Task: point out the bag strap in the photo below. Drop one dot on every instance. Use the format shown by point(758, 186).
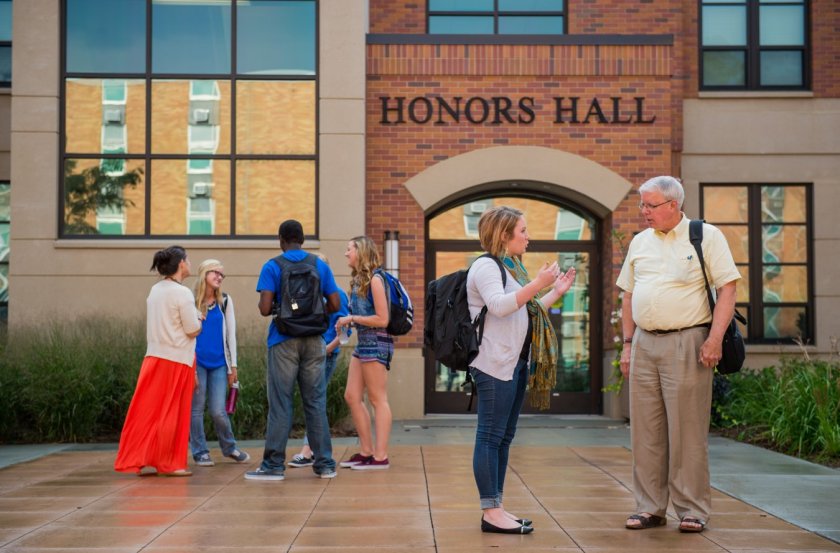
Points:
point(480, 317)
point(224, 303)
point(695, 235)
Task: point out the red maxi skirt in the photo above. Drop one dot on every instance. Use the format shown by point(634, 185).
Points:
point(156, 432)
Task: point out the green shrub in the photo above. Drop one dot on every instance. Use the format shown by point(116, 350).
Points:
point(73, 382)
point(795, 407)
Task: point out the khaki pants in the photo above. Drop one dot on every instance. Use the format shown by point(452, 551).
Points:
point(670, 403)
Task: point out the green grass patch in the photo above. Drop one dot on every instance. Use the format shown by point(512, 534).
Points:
point(793, 408)
point(73, 382)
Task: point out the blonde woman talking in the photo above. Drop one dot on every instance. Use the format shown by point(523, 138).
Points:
point(368, 370)
point(519, 349)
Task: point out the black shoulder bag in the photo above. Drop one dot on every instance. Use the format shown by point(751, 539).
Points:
point(733, 352)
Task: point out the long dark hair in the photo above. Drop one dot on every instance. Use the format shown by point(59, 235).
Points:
point(166, 261)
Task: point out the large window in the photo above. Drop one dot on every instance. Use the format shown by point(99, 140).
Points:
point(5, 43)
point(754, 44)
point(768, 227)
point(196, 119)
point(501, 17)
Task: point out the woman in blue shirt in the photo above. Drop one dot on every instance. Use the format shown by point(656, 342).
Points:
point(215, 353)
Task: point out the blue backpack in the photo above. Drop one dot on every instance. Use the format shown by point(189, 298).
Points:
point(400, 309)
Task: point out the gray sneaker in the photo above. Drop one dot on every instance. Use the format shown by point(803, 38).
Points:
point(238, 456)
point(265, 474)
point(328, 473)
point(204, 460)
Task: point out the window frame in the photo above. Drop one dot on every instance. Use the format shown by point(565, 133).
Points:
point(496, 13)
point(752, 50)
point(754, 224)
point(148, 77)
point(8, 44)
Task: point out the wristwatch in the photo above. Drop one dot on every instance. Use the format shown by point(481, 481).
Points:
point(628, 340)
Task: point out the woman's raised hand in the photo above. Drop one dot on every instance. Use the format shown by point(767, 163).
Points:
point(564, 281)
point(548, 274)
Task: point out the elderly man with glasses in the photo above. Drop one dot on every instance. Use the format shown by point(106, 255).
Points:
point(672, 344)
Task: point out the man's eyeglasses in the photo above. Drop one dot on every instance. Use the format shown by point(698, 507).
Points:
point(220, 274)
point(643, 206)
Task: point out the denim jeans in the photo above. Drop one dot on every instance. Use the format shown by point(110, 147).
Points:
point(329, 369)
point(499, 403)
point(298, 360)
point(212, 385)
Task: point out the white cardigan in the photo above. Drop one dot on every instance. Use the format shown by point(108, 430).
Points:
point(505, 325)
point(229, 334)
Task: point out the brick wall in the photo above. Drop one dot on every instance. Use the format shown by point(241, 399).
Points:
point(397, 152)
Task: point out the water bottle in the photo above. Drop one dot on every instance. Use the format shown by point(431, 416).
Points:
point(343, 335)
point(233, 393)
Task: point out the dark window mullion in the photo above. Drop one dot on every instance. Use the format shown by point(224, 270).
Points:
point(753, 45)
point(756, 284)
point(147, 215)
point(233, 121)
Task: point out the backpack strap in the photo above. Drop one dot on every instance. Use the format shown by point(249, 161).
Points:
point(283, 262)
point(223, 307)
point(695, 236)
point(480, 317)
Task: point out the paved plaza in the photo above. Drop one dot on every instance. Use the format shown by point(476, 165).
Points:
point(571, 476)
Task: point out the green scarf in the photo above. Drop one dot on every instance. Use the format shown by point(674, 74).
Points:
point(543, 369)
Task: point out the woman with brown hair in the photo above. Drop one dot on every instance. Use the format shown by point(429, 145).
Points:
point(157, 427)
point(518, 350)
point(371, 360)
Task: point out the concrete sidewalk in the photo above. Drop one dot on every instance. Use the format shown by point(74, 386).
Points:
point(570, 475)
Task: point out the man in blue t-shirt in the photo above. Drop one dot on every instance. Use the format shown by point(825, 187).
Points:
point(293, 359)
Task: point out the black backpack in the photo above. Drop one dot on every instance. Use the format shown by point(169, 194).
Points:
point(300, 310)
point(400, 309)
point(450, 334)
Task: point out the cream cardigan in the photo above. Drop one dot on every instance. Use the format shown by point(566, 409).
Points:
point(170, 315)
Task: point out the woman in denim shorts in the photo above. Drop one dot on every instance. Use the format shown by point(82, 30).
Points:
point(371, 359)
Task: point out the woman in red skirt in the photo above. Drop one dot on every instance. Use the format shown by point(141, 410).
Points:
point(157, 427)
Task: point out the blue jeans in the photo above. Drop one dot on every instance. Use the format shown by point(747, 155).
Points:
point(329, 369)
point(301, 360)
point(499, 403)
point(212, 385)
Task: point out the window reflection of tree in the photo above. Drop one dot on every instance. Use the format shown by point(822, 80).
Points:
point(91, 190)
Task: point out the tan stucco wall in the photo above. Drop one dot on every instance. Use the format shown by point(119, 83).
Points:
point(774, 140)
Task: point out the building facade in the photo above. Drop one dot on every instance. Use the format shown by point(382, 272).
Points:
point(208, 122)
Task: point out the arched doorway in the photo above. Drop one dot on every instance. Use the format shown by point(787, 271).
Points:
point(559, 230)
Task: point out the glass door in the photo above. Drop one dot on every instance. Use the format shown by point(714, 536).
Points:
point(557, 234)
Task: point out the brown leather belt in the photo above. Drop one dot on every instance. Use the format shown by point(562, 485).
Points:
point(672, 330)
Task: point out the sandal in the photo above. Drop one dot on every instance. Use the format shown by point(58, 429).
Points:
point(697, 525)
point(645, 521)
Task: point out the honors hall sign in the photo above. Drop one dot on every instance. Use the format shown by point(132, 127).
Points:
point(502, 110)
